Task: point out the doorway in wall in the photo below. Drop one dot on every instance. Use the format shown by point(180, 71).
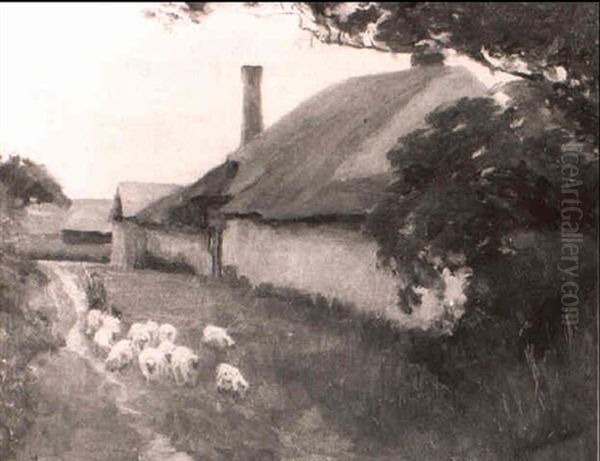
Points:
point(215, 244)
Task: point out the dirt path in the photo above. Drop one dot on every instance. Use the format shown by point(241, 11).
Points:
point(294, 411)
point(76, 370)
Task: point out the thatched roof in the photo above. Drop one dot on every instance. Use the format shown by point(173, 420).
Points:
point(211, 186)
point(89, 216)
point(133, 197)
point(328, 156)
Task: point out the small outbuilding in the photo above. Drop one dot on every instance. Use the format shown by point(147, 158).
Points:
point(88, 221)
point(129, 238)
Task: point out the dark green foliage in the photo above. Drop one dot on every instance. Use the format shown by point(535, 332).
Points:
point(467, 185)
point(26, 182)
point(481, 186)
point(542, 35)
point(24, 332)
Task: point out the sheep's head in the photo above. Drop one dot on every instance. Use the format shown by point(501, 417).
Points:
point(224, 383)
point(141, 340)
point(151, 365)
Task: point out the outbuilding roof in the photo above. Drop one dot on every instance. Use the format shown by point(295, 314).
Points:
point(173, 208)
point(89, 216)
point(133, 197)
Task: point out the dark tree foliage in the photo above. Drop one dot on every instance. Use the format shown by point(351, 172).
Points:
point(25, 332)
point(22, 182)
point(481, 186)
point(484, 187)
point(25, 182)
point(543, 35)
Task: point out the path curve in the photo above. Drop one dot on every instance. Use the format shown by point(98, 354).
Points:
point(66, 280)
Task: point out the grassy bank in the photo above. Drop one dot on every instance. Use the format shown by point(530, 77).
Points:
point(26, 329)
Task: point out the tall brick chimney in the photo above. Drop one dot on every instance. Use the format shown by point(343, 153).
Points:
point(252, 123)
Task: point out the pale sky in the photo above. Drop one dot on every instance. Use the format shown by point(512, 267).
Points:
point(100, 94)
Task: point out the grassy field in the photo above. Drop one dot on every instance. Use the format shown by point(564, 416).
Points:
point(320, 388)
point(26, 330)
point(325, 385)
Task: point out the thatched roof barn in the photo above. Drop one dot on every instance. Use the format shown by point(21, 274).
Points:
point(296, 194)
point(88, 221)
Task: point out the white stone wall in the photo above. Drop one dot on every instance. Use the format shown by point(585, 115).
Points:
point(330, 260)
point(128, 245)
point(178, 247)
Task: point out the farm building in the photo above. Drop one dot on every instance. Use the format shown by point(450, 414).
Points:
point(130, 239)
point(183, 228)
point(296, 195)
point(88, 221)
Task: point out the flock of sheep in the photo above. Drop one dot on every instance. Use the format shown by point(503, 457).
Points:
point(158, 357)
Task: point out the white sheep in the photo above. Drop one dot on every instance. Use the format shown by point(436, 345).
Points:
point(93, 321)
point(104, 340)
point(231, 380)
point(134, 328)
point(184, 366)
point(111, 323)
point(154, 364)
point(167, 332)
point(120, 355)
point(152, 328)
point(217, 337)
point(140, 340)
point(143, 334)
point(166, 346)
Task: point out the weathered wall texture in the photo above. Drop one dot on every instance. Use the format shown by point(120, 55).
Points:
point(332, 261)
point(337, 263)
point(180, 248)
point(129, 245)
